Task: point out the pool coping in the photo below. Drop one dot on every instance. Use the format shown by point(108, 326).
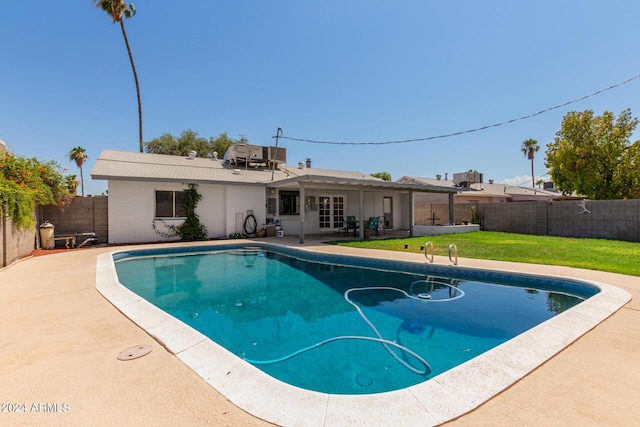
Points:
point(437, 400)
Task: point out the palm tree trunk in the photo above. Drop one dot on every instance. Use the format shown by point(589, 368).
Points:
point(82, 181)
point(135, 77)
point(533, 179)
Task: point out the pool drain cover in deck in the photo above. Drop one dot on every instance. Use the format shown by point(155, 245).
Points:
point(134, 352)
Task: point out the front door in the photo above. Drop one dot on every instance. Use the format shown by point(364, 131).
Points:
point(331, 212)
point(388, 213)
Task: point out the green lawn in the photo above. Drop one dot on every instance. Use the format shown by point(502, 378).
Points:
point(595, 254)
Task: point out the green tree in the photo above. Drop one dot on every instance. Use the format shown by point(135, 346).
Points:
point(72, 183)
point(529, 148)
point(164, 144)
point(540, 182)
point(117, 10)
point(189, 140)
point(79, 155)
point(385, 176)
point(222, 142)
point(593, 156)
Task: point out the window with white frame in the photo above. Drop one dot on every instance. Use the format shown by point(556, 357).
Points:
point(289, 203)
point(170, 204)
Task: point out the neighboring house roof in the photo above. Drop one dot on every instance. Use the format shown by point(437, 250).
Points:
point(129, 166)
point(486, 190)
point(514, 192)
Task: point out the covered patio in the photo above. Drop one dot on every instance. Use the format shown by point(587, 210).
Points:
point(394, 201)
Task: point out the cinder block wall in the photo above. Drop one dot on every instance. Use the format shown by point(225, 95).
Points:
point(520, 217)
point(609, 219)
point(83, 215)
point(14, 243)
point(424, 213)
point(424, 210)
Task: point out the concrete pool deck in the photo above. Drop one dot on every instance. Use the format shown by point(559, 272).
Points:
point(60, 341)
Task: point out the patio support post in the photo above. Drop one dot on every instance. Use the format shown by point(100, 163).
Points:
point(452, 217)
point(302, 209)
point(361, 214)
point(411, 214)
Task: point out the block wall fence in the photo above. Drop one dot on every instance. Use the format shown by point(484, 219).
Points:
point(83, 215)
point(606, 219)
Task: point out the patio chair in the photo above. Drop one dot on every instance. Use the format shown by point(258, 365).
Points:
point(373, 223)
point(351, 224)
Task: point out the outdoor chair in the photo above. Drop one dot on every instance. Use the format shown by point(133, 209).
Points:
point(351, 224)
point(372, 224)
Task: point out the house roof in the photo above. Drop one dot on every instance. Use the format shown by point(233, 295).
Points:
point(129, 166)
point(328, 173)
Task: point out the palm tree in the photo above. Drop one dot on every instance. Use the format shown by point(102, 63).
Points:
point(117, 9)
point(540, 182)
point(78, 155)
point(72, 183)
point(529, 147)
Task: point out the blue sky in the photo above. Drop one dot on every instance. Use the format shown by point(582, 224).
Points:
point(345, 71)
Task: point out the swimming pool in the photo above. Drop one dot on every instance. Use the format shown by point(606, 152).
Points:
point(430, 402)
point(335, 328)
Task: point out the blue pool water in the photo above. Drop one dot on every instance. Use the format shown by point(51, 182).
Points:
point(405, 323)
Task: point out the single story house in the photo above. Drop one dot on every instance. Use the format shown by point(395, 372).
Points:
point(145, 194)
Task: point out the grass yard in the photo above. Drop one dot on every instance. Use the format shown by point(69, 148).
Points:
point(594, 254)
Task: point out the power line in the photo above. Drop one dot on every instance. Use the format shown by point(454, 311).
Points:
point(555, 107)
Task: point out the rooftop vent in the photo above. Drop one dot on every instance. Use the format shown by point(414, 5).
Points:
point(300, 165)
point(192, 155)
point(438, 177)
point(308, 162)
point(236, 171)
